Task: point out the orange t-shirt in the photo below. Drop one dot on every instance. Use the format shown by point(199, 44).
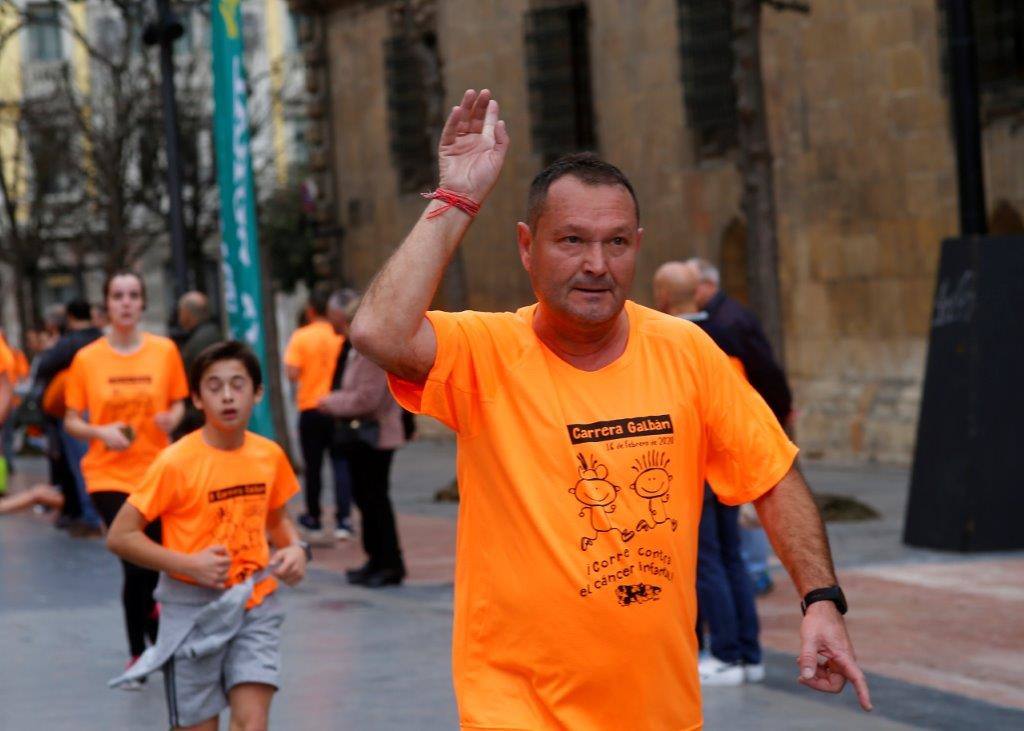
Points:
point(314, 350)
point(112, 387)
point(580, 497)
point(21, 366)
point(7, 364)
point(207, 497)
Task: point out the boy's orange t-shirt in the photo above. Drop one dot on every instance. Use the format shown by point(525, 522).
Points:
point(133, 388)
point(580, 497)
point(207, 497)
point(314, 350)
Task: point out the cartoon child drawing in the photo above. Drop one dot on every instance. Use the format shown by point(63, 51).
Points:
point(652, 482)
point(597, 494)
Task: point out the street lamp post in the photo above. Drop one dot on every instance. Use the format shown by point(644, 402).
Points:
point(164, 32)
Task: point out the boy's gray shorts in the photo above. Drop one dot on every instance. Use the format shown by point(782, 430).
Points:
point(202, 671)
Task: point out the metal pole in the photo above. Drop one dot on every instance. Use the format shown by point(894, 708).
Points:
point(963, 66)
point(174, 176)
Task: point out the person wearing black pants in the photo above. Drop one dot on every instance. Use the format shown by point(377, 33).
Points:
point(367, 429)
point(371, 483)
point(140, 615)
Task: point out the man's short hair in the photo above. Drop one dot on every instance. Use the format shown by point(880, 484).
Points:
point(708, 271)
point(79, 309)
point(226, 350)
point(318, 298)
point(586, 167)
point(340, 298)
point(196, 303)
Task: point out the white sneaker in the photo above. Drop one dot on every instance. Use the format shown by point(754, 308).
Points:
point(715, 672)
point(342, 534)
point(753, 673)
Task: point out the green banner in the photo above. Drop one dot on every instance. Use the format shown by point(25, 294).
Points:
point(239, 246)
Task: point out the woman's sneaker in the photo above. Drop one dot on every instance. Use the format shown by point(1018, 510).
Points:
point(715, 672)
point(343, 531)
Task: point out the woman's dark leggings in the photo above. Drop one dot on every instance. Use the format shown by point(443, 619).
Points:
point(140, 616)
point(371, 482)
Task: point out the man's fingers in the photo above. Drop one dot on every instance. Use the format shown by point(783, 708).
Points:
point(501, 139)
point(451, 127)
point(218, 550)
point(480, 105)
point(490, 119)
point(847, 666)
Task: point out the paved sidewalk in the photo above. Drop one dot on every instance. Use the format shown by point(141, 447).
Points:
point(361, 659)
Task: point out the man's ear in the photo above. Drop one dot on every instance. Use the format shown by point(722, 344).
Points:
point(639, 236)
point(525, 239)
point(257, 395)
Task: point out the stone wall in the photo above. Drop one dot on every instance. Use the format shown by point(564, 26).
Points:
point(865, 180)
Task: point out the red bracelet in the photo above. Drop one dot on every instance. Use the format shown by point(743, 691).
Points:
point(451, 199)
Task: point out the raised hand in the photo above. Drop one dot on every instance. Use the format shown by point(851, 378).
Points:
point(473, 146)
point(826, 654)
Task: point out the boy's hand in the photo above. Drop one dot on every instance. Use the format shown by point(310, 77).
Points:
point(113, 436)
point(289, 564)
point(210, 567)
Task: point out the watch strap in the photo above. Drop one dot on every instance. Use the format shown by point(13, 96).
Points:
point(827, 594)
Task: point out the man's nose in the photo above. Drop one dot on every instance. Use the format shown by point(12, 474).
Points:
point(594, 260)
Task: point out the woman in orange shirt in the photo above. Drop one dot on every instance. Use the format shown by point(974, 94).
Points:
point(124, 396)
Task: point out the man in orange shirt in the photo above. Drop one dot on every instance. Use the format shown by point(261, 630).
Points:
point(311, 360)
point(586, 426)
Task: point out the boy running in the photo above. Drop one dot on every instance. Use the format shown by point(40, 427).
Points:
point(219, 492)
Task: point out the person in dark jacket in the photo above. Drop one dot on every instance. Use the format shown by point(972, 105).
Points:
point(725, 594)
point(79, 332)
point(200, 331)
point(763, 372)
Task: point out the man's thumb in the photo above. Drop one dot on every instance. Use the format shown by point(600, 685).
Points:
point(808, 662)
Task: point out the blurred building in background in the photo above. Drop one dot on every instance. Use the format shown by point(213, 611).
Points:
point(82, 144)
point(860, 128)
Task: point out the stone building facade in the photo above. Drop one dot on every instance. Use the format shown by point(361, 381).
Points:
point(864, 168)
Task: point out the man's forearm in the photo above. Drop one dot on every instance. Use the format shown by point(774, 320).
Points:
point(794, 526)
point(393, 308)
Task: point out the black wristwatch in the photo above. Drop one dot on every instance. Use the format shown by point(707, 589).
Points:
point(829, 594)
point(306, 549)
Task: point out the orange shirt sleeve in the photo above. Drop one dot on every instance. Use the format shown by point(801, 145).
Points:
point(75, 396)
point(748, 452)
point(159, 490)
point(286, 484)
point(178, 384)
point(293, 351)
point(463, 374)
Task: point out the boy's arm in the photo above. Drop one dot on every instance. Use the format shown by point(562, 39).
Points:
point(289, 559)
point(127, 539)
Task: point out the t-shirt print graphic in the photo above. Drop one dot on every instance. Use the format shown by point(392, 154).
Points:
point(597, 494)
point(645, 502)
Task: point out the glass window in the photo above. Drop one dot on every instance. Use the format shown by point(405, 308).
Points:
point(44, 41)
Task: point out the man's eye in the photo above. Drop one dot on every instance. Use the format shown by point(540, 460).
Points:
point(571, 239)
point(619, 241)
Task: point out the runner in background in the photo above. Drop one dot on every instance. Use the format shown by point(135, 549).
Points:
point(7, 368)
point(131, 384)
point(310, 360)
